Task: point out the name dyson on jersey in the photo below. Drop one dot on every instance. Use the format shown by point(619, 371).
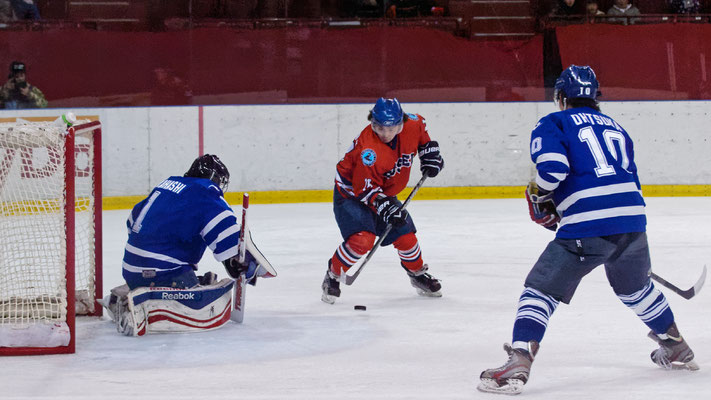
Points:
point(405, 160)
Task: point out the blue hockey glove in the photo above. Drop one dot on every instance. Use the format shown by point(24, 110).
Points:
point(388, 210)
point(431, 161)
point(541, 207)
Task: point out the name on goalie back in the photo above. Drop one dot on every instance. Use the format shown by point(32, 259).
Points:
point(173, 186)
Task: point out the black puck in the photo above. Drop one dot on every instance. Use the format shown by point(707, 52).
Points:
point(362, 308)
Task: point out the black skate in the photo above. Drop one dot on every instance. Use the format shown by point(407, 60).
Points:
point(331, 286)
point(510, 377)
point(673, 351)
point(426, 284)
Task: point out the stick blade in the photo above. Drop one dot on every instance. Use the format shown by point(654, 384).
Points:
point(694, 290)
point(700, 283)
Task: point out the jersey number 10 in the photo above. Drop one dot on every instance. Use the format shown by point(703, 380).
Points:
point(611, 137)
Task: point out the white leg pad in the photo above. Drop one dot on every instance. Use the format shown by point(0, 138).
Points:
point(167, 310)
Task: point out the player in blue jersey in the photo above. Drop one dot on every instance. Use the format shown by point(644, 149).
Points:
point(586, 188)
point(168, 233)
point(169, 230)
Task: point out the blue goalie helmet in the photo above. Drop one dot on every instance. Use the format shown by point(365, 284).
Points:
point(576, 82)
point(387, 112)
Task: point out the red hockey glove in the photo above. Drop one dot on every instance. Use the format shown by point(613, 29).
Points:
point(541, 207)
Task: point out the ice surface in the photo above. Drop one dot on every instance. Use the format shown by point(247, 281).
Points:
point(293, 346)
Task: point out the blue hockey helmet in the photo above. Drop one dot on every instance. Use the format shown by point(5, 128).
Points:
point(387, 112)
point(210, 167)
point(576, 82)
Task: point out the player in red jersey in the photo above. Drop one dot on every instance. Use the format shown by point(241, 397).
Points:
point(374, 170)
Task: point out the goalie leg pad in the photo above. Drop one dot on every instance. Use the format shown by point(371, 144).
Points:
point(111, 302)
point(167, 310)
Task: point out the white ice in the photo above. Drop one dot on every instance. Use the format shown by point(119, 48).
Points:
point(293, 346)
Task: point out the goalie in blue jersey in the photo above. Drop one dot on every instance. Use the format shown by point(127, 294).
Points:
point(586, 188)
point(168, 232)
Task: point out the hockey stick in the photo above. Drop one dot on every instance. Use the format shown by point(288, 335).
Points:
point(238, 299)
point(243, 228)
point(351, 278)
point(687, 294)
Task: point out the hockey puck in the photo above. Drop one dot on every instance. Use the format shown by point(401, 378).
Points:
point(362, 308)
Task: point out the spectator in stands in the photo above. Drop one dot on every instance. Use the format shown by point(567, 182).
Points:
point(17, 93)
point(408, 8)
point(565, 8)
point(685, 6)
point(169, 89)
point(623, 8)
point(5, 11)
point(593, 9)
point(25, 9)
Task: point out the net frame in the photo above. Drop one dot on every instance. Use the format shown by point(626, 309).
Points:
point(93, 129)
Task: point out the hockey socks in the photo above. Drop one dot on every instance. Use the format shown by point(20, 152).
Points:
point(409, 251)
point(350, 251)
point(534, 310)
point(651, 307)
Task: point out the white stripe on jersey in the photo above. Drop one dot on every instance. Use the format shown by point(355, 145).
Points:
point(213, 222)
point(601, 214)
point(133, 268)
point(544, 184)
point(229, 253)
point(616, 188)
point(155, 256)
point(561, 158)
point(347, 188)
point(227, 232)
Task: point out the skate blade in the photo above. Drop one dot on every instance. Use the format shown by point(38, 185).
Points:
point(326, 298)
point(512, 386)
point(689, 366)
point(425, 293)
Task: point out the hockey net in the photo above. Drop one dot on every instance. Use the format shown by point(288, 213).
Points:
point(50, 234)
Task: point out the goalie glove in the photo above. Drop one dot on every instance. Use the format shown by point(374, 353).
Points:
point(541, 207)
point(431, 161)
point(235, 268)
point(388, 210)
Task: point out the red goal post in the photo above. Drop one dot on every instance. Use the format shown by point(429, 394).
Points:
point(50, 234)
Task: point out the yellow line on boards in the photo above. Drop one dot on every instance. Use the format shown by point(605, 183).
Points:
point(426, 193)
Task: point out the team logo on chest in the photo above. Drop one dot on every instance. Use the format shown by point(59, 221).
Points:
point(368, 157)
point(405, 161)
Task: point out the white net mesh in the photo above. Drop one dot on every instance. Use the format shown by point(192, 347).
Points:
point(32, 223)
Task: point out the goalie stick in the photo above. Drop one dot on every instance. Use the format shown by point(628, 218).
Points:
point(687, 294)
point(351, 278)
point(264, 268)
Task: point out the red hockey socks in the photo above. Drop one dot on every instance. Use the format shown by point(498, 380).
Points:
point(350, 251)
point(409, 251)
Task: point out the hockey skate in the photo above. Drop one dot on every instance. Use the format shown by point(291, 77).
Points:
point(426, 284)
point(111, 302)
point(510, 378)
point(673, 351)
point(331, 286)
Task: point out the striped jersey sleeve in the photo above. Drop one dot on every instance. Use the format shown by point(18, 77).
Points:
point(549, 153)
